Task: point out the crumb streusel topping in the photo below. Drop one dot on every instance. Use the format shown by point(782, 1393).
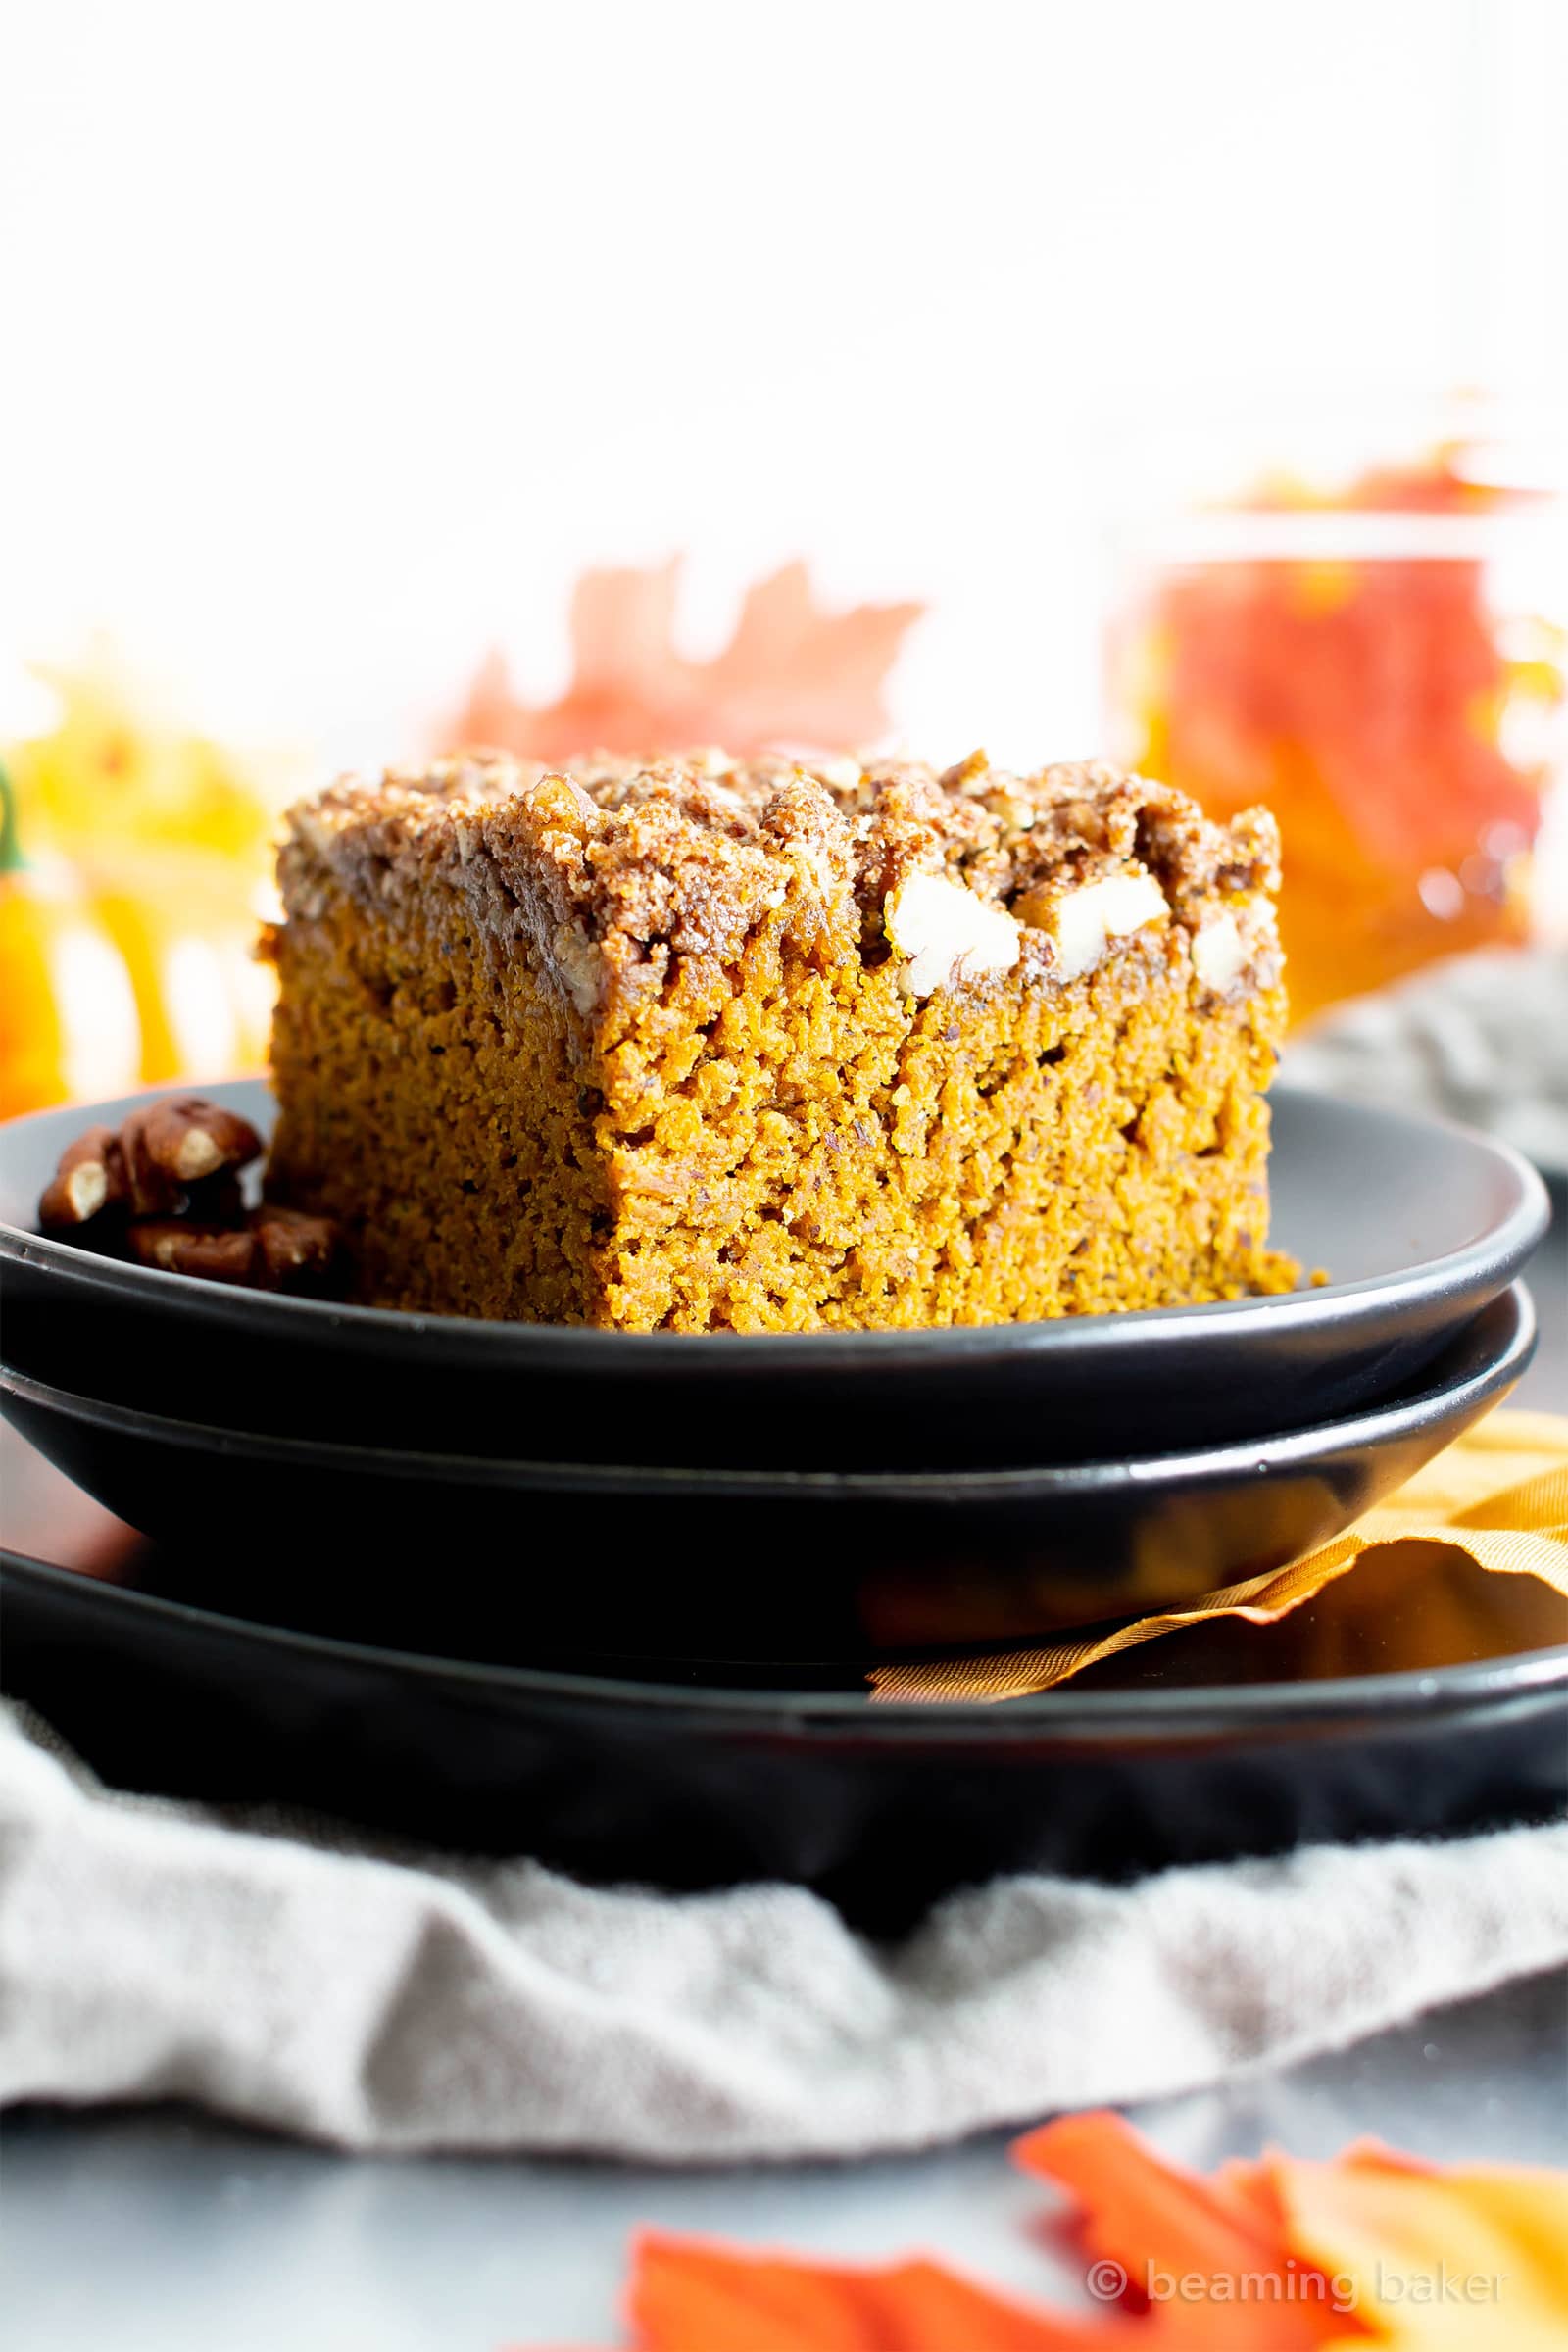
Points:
point(962, 874)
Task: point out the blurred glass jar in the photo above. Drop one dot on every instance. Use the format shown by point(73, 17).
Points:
point(1386, 667)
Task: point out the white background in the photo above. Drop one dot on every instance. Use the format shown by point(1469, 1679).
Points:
point(338, 336)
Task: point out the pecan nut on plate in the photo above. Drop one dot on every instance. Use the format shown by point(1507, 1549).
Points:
point(163, 1189)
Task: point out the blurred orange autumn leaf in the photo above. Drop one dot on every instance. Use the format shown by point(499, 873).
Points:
point(1162, 2225)
point(688, 2297)
point(1372, 2249)
point(791, 674)
point(131, 852)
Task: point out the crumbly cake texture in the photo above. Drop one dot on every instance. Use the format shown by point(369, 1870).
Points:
point(697, 1045)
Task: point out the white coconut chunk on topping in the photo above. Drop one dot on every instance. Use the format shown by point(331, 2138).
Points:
point(1084, 921)
point(580, 967)
point(1219, 952)
point(945, 934)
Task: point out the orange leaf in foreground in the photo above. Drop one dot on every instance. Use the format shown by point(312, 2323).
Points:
point(1277, 2256)
point(690, 2297)
point(1212, 2255)
point(791, 674)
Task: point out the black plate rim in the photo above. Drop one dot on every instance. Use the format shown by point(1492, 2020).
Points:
point(1374, 1425)
point(1527, 1677)
point(1491, 1258)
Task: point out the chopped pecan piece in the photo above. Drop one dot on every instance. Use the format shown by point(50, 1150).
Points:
point(298, 1252)
point(182, 1142)
point(273, 1250)
point(217, 1253)
point(91, 1177)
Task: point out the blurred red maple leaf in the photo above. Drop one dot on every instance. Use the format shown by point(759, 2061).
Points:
point(791, 674)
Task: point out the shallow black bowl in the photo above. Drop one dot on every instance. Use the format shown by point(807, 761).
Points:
point(747, 1563)
point(1418, 1695)
point(1420, 1224)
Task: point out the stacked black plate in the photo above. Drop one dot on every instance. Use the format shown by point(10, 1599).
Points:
point(405, 1566)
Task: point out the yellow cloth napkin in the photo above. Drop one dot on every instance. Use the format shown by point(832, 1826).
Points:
point(1499, 1495)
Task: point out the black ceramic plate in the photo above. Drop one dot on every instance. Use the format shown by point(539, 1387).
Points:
point(1416, 1696)
point(1420, 1223)
point(760, 1563)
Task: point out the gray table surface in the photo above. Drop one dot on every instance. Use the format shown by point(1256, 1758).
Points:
point(161, 2231)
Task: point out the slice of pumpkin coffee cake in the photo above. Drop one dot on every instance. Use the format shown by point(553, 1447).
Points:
point(701, 1046)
